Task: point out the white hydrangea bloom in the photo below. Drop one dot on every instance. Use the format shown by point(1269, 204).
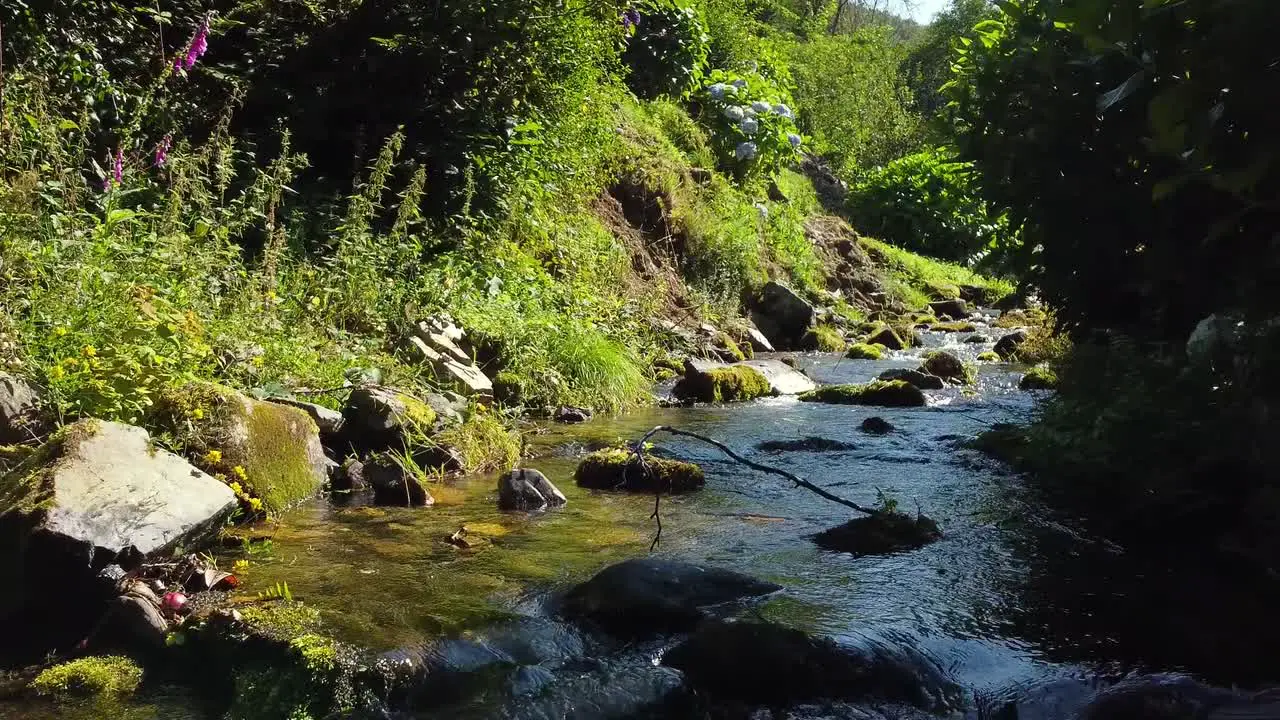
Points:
point(795, 140)
point(734, 113)
point(761, 107)
point(783, 110)
point(750, 126)
point(746, 151)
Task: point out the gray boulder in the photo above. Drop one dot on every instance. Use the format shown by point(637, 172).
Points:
point(327, 420)
point(438, 342)
point(922, 380)
point(1007, 346)
point(783, 316)
point(783, 378)
point(528, 490)
point(21, 415)
point(100, 493)
point(955, 309)
point(393, 484)
point(378, 418)
point(650, 595)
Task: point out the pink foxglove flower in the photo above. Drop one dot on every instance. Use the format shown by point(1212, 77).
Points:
point(162, 150)
point(195, 50)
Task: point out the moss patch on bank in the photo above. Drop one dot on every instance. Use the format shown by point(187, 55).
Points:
point(914, 280)
point(105, 676)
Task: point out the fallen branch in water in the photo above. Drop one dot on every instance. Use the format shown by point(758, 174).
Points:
point(638, 449)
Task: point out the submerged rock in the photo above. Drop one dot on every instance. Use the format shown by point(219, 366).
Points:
point(620, 469)
point(22, 417)
point(880, 534)
point(894, 393)
point(760, 663)
point(1007, 346)
point(393, 484)
point(1178, 697)
point(99, 493)
point(527, 489)
point(571, 415)
point(919, 379)
point(876, 426)
point(783, 316)
point(808, 444)
point(650, 595)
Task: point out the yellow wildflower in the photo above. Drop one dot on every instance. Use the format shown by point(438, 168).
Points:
point(57, 373)
point(59, 332)
point(90, 351)
point(241, 566)
point(239, 472)
point(235, 488)
point(255, 504)
point(213, 457)
point(198, 414)
point(257, 361)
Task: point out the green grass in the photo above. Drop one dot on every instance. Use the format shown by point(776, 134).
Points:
point(915, 280)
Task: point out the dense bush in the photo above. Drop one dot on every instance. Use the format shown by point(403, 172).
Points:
point(667, 50)
point(930, 204)
point(752, 125)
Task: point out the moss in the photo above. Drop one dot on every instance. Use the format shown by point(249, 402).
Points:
point(824, 338)
point(318, 653)
point(883, 335)
point(892, 393)
point(484, 441)
point(989, 356)
point(729, 349)
point(620, 469)
point(661, 374)
point(863, 351)
point(95, 676)
point(507, 388)
point(914, 280)
point(734, 383)
point(273, 444)
point(283, 621)
point(954, 327)
point(1043, 345)
point(24, 489)
point(1039, 378)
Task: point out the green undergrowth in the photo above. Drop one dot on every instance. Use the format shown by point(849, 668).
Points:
point(915, 280)
point(824, 338)
point(110, 676)
point(485, 442)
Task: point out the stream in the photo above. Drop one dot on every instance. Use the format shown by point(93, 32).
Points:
point(1030, 616)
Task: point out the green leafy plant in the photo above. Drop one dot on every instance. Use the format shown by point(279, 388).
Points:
point(751, 122)
point(667, 53)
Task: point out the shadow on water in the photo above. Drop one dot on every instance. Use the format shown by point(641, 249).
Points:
point(1013, 606)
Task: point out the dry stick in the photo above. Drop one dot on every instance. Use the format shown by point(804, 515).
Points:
point(638, 449)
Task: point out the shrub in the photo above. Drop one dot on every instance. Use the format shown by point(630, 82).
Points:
point(751, 121)
point(667, 54)
point(929, 204)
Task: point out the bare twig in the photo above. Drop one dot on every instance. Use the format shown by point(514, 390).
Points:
point(638, 449)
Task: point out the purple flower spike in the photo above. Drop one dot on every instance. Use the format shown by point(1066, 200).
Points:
point(630, 20)
point(162, 150)
point(117, 168)
point(198, 47)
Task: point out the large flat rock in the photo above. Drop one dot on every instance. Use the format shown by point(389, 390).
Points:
point(783, 379)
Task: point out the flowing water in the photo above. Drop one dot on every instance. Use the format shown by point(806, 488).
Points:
point(1016, 607)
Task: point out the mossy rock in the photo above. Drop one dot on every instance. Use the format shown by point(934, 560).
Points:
point(940, 363)
point(892, 393)
point(958, 326)
point(620, 469)
point(863, 351)
point(728, 350)
point(879, 534)
point(732, 383)
point(990, 357)
point(824, 338)
point(507, 388)
point(106, 676)
point(1039, 378)
point(1004, 442)
point(383, 419)
point(273, 451)
point(662, 374)
point(881, 334)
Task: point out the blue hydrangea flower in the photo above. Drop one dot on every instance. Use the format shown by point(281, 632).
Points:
point(783, 110)
point(717, 91)
point(734, 113)
point(740, 84)
point(761, 107)
point(750, 126)
point(794, 139)
point(746, 151)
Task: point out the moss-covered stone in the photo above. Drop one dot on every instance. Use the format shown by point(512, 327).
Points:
point(894, 393)
point(620, 469)
point(940, 363)
point(110, 675)
point(732, 383)
point(271, 451)
point(882, 334)
point(1039, 378)
point(881, 533)
point(824, 338)
point(507, 389)
point(989, 356)
point(863, 351)
point(958, 326)
point(727, 349)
